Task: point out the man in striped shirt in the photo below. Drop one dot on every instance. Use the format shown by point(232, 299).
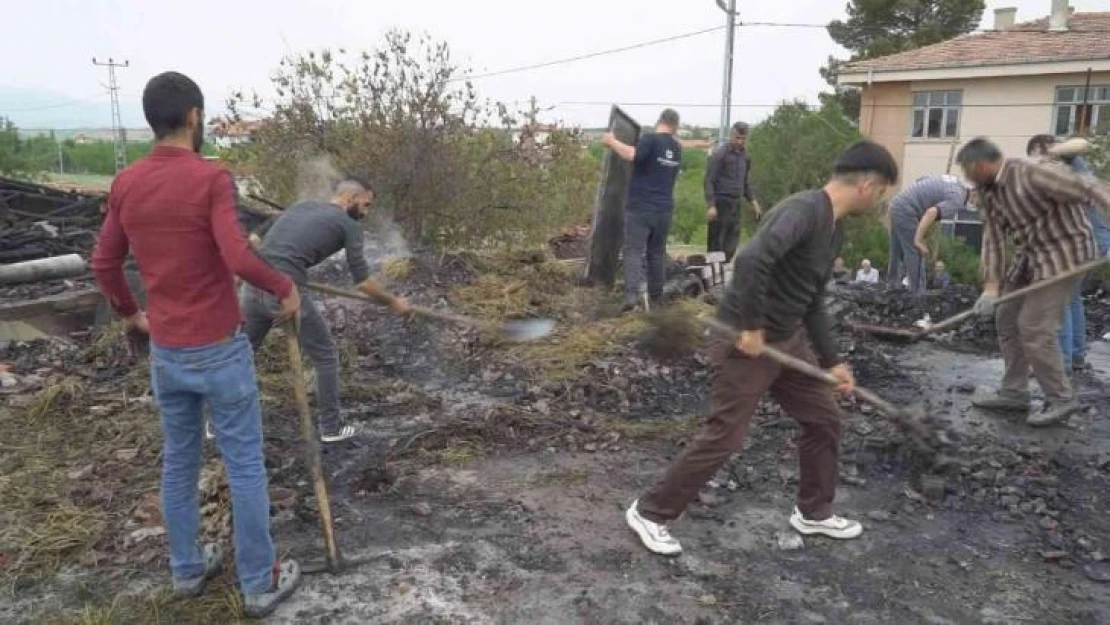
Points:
point(912, 213)
point(1041, 206)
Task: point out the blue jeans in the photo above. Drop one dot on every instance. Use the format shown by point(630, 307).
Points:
point(1073, 331)
point(221, 375)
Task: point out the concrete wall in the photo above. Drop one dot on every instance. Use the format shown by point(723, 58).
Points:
point(885, 115)
point(1009, 126)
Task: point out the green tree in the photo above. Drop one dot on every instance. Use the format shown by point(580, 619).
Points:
point(11, 158)
point(446, 162)
point(877, 28)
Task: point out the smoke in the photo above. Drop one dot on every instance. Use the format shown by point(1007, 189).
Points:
point(316, 178)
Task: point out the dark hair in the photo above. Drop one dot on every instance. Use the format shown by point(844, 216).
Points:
point(740, 128)
point(355, 178)
point(669, 117)
point(867, 157)
point(1041, 142)
point(978, 150)
point(167, 100)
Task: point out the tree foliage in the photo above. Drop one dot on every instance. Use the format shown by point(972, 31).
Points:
point(876, 28)
point(445, 161)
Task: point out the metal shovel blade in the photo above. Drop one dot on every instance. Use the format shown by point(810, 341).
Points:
point(527, 329)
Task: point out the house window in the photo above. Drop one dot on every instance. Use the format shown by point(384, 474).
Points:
point(1080, 110)
point(936, 114)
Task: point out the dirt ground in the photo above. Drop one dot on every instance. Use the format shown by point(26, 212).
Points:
point(491, 480)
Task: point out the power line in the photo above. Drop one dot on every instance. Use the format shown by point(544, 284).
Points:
point(814, 105)
point(55, 106)
point(589, 55)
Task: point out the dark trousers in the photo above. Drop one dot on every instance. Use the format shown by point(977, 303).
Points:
point(738, 383)
point(905, 259)
point(259, 311)
point(724, 231)
point(645, 247)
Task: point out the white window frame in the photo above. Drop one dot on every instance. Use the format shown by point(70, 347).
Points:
point(1067, 99)
point(947, 104)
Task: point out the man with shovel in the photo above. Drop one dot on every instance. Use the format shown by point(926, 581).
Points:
point(777, 295)
point(912, 213)
point(1041, 205)
point(303, 236)
point(176, 212)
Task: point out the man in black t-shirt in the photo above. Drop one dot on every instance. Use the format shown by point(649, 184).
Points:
point(655, 162)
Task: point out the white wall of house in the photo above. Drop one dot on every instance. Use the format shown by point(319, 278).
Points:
point(988, 108)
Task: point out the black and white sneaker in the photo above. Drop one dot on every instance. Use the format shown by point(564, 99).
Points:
point(654, 535)
point(344, 433)
point(833, 527)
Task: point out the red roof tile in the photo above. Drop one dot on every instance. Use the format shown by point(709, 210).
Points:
point(1087, 37)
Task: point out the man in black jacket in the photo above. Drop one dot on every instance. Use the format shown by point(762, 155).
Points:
point(777, 295)
point(727, 179)
point(655, 159)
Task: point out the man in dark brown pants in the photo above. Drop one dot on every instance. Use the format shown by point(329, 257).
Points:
point(777, 295)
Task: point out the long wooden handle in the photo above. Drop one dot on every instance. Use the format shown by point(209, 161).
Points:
point(809, 369)
point(958, 319)
point(418, 310)
point(312, 443)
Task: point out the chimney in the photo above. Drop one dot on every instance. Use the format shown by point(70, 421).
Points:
point(1058, 20)
point(1004, 18)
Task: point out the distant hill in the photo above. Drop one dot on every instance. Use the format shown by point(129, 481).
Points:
point(33, 108)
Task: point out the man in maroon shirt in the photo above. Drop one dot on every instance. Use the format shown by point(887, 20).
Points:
point(176, 213)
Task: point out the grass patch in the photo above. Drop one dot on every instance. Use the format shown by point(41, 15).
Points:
point(460, 453)
point(73, 461)
point(563, 355)
point(566, 477)
point(217, 605)
point(654, 428)
point(396, 269)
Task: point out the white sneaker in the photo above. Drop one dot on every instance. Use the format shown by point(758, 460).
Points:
point(833, 527)
point(208, 435)
point(345, 432)
point(654, 535)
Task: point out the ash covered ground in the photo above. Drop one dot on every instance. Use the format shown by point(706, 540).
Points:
point(490, 482)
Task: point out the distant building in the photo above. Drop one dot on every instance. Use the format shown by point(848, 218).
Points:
point(225, 133)
point(1050, 75)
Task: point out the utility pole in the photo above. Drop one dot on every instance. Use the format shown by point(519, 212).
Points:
point(119, 135)
point(729, 7)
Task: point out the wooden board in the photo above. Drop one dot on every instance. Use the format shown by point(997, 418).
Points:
point(607, 233)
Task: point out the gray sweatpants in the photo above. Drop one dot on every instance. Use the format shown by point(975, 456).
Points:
point(645, 245)
point(905, 260)
point(259, 311)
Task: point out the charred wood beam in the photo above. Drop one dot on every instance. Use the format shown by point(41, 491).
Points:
point(55, 267)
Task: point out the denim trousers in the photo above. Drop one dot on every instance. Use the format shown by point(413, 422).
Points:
point(222, 376)
point(1073, 330)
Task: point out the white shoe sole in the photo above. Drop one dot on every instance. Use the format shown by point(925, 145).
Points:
point(852, 531)
point(635, 523)
point(339, 438)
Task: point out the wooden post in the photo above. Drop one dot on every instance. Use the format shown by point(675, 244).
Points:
point(68, 266)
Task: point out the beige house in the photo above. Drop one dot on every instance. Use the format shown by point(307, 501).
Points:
point(1050, 75)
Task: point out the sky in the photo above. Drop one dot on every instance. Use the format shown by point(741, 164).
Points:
point(49, 79)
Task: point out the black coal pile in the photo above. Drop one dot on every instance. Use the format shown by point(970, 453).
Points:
point(1097, 309)
point(30, 241)
point(877, 306)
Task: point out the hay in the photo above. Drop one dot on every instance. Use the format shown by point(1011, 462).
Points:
point(674, 331)
point(57, 396)
point(220, 604)
point(396, 269)
point(562, 356)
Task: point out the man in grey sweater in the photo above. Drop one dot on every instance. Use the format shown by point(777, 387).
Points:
point(727, 179)
point(912, 213)
point(300, 238)
point(777, 297)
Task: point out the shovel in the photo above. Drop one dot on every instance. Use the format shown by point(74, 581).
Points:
point(333, 560)
point(517, 331)
point(912, 336)
point(911, 418)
